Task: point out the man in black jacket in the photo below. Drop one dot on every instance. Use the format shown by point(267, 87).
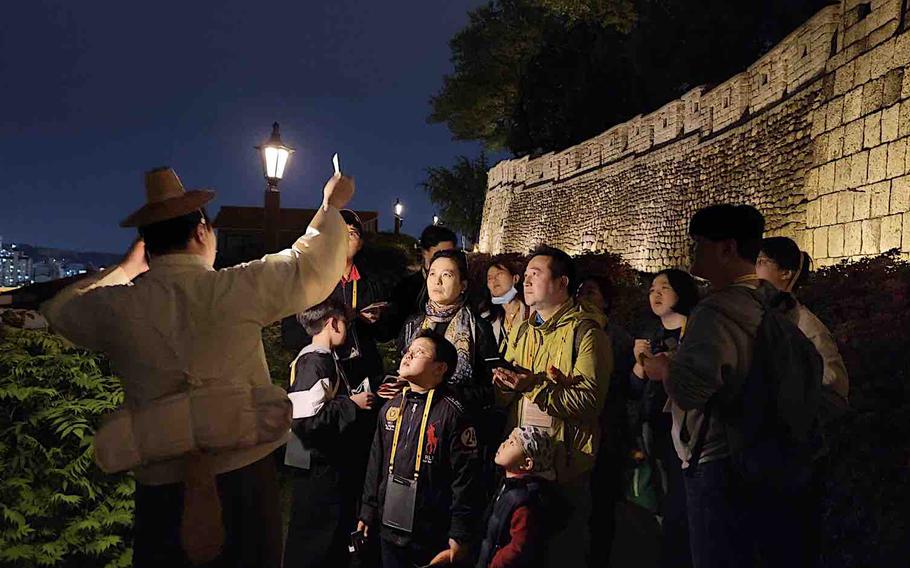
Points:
point(423, 488)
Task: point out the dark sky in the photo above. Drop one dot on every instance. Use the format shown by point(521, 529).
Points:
point(95, 93)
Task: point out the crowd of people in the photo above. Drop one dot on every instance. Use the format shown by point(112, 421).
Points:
point(511, 428)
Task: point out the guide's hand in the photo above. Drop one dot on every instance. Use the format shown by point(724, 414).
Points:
point(363, 528)
point(364, 400)
point(338, 191)
point(134, 262)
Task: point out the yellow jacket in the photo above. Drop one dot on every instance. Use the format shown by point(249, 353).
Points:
point(575, 407)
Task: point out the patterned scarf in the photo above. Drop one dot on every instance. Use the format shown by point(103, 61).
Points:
point(460, 333)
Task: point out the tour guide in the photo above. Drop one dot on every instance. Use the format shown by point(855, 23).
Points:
point(186, 341)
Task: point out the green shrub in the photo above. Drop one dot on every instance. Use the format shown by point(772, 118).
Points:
point(58, 508)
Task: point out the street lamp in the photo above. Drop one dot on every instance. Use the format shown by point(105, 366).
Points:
point(435, 219)
point(274, 160)
point(399, 208)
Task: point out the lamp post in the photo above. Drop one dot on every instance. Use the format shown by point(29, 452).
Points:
point(274, 161)
point(435, 219)
point(399, 208)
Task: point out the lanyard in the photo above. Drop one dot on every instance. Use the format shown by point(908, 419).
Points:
point(423, 429)
point(354, 296)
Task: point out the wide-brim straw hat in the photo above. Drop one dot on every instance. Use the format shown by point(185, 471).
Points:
point(166, 199)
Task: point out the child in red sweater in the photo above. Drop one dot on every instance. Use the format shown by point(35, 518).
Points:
point(527, 510)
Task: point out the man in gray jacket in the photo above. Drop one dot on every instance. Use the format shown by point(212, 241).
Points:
point(715, 354)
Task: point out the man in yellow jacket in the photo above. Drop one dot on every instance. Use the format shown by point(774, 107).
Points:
point(562, 362)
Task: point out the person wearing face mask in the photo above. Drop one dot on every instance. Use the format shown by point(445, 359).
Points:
point(781, 263)
point(448, 313)
point(672, 296)
point(507, 308)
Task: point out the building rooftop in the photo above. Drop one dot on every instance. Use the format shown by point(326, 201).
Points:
point(251, 218)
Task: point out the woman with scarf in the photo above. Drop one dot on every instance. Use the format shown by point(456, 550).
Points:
point(506, 305)
point(448, 313)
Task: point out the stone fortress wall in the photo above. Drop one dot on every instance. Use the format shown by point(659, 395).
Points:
point(815, 134)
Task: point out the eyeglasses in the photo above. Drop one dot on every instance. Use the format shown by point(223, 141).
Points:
point(417, 353)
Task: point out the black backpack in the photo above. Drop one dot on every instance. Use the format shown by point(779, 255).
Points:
point(772, 419)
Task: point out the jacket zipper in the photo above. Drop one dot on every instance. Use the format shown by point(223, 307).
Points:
point(407, 436)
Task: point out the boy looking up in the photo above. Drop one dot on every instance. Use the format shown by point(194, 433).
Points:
point(423, 483)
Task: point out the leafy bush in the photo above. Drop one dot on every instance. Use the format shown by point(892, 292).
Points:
point(866, 305)
point(58, 508)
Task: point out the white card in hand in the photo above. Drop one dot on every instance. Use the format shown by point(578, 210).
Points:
point(365, 386)
point(335, 163)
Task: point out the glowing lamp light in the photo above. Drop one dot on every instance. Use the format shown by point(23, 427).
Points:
point(399, 208)
point(274, 157)
point(435, 219)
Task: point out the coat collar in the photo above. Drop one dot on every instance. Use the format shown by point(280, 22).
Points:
point(178, 262)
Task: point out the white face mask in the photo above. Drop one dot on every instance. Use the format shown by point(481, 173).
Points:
point(505, 298)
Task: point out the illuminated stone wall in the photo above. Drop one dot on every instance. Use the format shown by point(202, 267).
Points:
point(814, 134)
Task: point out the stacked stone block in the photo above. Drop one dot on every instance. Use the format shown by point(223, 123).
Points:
point(815, 134)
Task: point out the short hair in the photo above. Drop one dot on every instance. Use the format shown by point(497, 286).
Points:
point(786, 253)
point(445, 352)
point(607, 290)
point(561, 264)
point(458, 257)
point(741, 223)
point(352, 220)
point(174, 234)
point(435, 234)
point(314, 319)
point(685, 287)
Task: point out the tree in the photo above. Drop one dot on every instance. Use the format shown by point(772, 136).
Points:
point(532, 76)
point(460, 192)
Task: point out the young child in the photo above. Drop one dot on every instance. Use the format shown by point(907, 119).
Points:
point(324, 481)
point(526, 511)
point(423, 486)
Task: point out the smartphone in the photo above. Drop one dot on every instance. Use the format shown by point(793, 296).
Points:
point(498, 362)
point(358, 543)
point(375, 307)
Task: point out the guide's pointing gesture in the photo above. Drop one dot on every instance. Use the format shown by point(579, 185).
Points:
point(338, 191)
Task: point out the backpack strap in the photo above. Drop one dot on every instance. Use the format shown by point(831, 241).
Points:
point(581, 330)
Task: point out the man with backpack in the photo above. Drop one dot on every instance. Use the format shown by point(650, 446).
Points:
point(556, 376)
point(743, 389)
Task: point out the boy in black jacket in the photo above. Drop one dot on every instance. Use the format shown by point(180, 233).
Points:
point(325, 475)
point(423, 487)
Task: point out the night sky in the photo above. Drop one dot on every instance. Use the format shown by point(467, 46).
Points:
point(95, 93)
